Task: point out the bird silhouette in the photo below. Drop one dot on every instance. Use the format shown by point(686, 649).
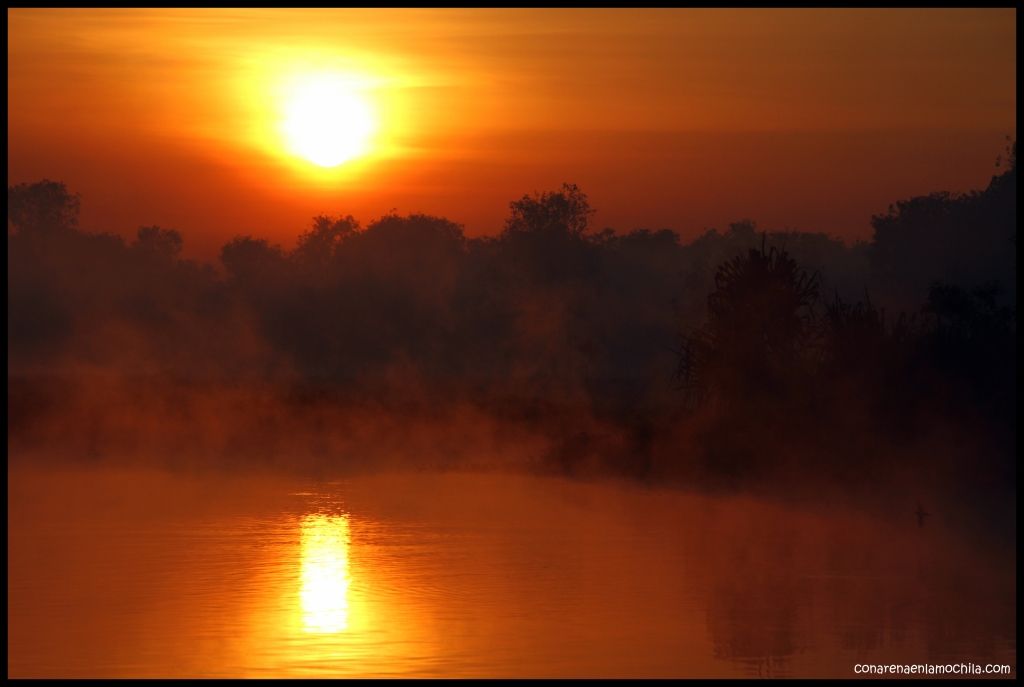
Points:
point(921, 514)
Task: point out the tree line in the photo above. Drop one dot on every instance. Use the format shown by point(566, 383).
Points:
point(729, 343)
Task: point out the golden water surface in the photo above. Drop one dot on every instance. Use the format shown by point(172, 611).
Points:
point(129, 573)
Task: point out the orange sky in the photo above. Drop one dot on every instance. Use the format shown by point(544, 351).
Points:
point(687, 119)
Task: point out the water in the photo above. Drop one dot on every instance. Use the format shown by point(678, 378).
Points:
point(116, 574)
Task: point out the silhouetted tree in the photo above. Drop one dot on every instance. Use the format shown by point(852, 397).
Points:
point(42, 208)
point(962, 239)
point(972, 342)
point(760, 324)
point(316, 248)
point(158, 243)
point(853, 333)
point(252, 259)
point(555, 212)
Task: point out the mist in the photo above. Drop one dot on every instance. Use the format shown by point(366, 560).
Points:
point(774, 362)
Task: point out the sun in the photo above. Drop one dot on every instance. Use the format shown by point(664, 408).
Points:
point(327, 121)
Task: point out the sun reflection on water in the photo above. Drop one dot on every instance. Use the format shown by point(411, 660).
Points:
point(325, 573)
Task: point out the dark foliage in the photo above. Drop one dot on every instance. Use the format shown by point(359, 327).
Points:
point(552, 324)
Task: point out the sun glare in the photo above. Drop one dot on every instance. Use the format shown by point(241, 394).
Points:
point(327, 121)
point(325, 575)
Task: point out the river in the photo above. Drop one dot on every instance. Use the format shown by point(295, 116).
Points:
point(133, 573)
